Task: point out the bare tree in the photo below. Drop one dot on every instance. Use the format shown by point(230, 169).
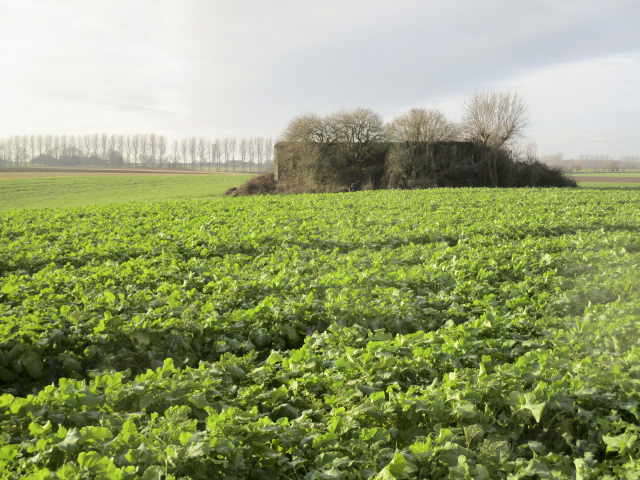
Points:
point(144, 147)
point(495, 119)
point(20, 148)
point(95, 144)
point(134, 143)
point(252, 150)
point(24, 148)
point(421, 125)
point(9, 150)
point(64, 146)
point(120, 145)
point(233, 146)
point(3, 151)
point(74, 147)
point(341, 148)
point(56, 148)
point(40, 143)
point(33, 147)
point(226, 148)
point(361, 125)
point(104, 146)
point(153, 147)
point(47, 144)
point(83, 144)
point(162, 148)
point(184, 150)
point(244, 150)
point(112, 143)
point(308, 127)
point(128, 147)
point(203, 151)
point(89, 145)
point(268, 149)
point(193, 151)
point(6, 152)
point(175, 152)
point(259, 148)
point(216, 153)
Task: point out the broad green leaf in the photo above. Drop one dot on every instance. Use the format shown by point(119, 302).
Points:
point(17, 403)
point(142, 338)
point(185, 437)
point(154, 472)
point(109, 297)
point(622, 443)
point(5, 400)
point(399, 467)
point(71, 441)
point(275, 357)
point(40, 474)
point(421, 448)
point(33, 364)
point(197, 449)
point(535, 408)
point(9, 288)
point(8, 453)
point(92, 460)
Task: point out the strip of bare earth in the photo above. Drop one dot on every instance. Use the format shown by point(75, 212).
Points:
point(27, 172)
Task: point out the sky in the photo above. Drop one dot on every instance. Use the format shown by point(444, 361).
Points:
point(238, 68)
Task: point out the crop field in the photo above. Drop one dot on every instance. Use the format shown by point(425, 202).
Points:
point(625, 180)
point(445, 333)
point(609, 174)
point(38, 189)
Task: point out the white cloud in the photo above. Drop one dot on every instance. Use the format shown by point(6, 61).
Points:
point(213, 67)
point(586, 107)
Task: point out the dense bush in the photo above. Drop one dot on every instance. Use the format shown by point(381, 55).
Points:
point(355, 150)
point(329, 167)
point(261, 185)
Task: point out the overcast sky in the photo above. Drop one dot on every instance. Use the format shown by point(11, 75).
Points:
point(244, 68)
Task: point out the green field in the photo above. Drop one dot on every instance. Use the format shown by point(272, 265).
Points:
point(624, 180)
point(444, 333)
point(611, 185)
point(608, 174)
point(79, 191)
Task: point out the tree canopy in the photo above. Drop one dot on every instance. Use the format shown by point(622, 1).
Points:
point(494, 118)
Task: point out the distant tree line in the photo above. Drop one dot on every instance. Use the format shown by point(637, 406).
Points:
point(420, 148)
point(592, 163)
point(252, 154)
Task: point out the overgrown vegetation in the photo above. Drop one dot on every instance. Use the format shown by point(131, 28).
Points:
point(355, 150)
point(446, 333)
point(321, 167)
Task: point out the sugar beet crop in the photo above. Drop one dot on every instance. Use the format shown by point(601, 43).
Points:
point(447, 333)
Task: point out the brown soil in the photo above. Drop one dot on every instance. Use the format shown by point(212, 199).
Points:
point(30, 172)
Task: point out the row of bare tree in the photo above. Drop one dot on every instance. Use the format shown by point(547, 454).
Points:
point(418, 148)
point(491, 118)
point(252, 154)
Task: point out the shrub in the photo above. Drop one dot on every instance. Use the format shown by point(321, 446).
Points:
point(261, 185)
